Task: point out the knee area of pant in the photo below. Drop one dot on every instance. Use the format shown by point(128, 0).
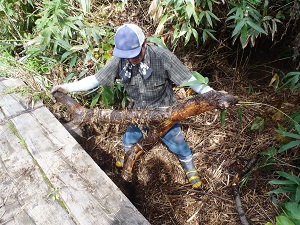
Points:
point(178, 137)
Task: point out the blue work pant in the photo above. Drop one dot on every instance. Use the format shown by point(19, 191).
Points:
point(174, 139)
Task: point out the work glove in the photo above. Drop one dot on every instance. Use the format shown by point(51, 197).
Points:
point(84, 84)
point(61, 88)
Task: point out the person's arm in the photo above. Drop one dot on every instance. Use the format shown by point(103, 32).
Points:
point(200, 88)
point(179, 73)
point(84, 84)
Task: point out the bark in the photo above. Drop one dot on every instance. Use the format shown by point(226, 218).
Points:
point(159, 120)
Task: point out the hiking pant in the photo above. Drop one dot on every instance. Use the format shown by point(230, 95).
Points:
point(174, 139)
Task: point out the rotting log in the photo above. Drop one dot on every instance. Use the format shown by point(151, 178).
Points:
point(159, 120)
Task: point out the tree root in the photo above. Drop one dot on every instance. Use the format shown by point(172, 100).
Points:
point(159, 120)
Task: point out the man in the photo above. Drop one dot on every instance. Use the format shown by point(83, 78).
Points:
point(147, 72)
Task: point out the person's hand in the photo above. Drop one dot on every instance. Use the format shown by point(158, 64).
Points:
point(60, 88)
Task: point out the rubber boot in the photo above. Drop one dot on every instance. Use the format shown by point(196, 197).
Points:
point(120, 159)
point(190, 171)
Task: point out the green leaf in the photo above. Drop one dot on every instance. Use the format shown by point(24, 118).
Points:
point(238, 28)
point(297, 195)
point(196, 36)
point(107, 96)
point(46, 34)
point(123, 103)
point(163, 20)
point(82, 73)
point(88, 57)
point(282, 190)
point(64, 43)
point(297, 126)
point(86, 5)
point(258, 123)
point(209, 32)
point(223, 116)
point(79, 47)
point(190, 10)
point(73, 61)
point(207, 15)
point(290, 177)
point(201, 16)
point(157, 40)
point(244, 36)
point(293, 209)
point(256, 27)
point(289, 146)
point(283, 182)
point(288, 134)
point(65, 55)
point(106, 46)
point(200, 78)
point(271, 151)
point(188, 36)
point(69, 77)
point(283, 220)
point(291, 74)
point(213, 15)
point(240, 114)
point(183, 30)
point(95, 100)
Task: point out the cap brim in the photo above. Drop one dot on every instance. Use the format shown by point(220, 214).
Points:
point(127, 54)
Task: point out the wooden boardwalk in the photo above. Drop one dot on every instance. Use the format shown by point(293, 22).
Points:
point(45, 175)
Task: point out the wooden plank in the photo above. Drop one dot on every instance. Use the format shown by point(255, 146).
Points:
point(88, 193)
point(15, 103)
point(90, 196)
point(23, 190)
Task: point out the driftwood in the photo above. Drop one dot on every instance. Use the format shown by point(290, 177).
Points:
point(159, 120)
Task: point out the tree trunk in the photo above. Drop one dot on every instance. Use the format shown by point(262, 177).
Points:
point(159, 120)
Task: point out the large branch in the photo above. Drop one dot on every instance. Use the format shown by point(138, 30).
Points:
point(160, 120)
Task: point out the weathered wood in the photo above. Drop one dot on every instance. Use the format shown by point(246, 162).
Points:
point(86, 194)
point(23, 195)
point(160, 120)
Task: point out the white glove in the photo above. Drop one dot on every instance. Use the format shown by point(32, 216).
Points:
point(85, 84)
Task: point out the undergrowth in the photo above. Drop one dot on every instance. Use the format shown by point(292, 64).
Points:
point(50, 42)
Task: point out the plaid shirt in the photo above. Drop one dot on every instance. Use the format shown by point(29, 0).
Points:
point(155, 91)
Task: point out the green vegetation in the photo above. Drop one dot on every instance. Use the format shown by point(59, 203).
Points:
point(247, 20)
point(50, 42)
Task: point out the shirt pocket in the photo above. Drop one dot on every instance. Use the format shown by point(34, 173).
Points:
point(132, 89)
point(155, 89)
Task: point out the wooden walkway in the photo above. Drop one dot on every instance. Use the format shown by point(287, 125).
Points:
point(45, 175)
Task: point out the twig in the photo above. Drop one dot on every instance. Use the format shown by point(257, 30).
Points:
point(206, 193)
point(248, 167)
point(236, 192)
point(193, 216)
point(238, 203)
